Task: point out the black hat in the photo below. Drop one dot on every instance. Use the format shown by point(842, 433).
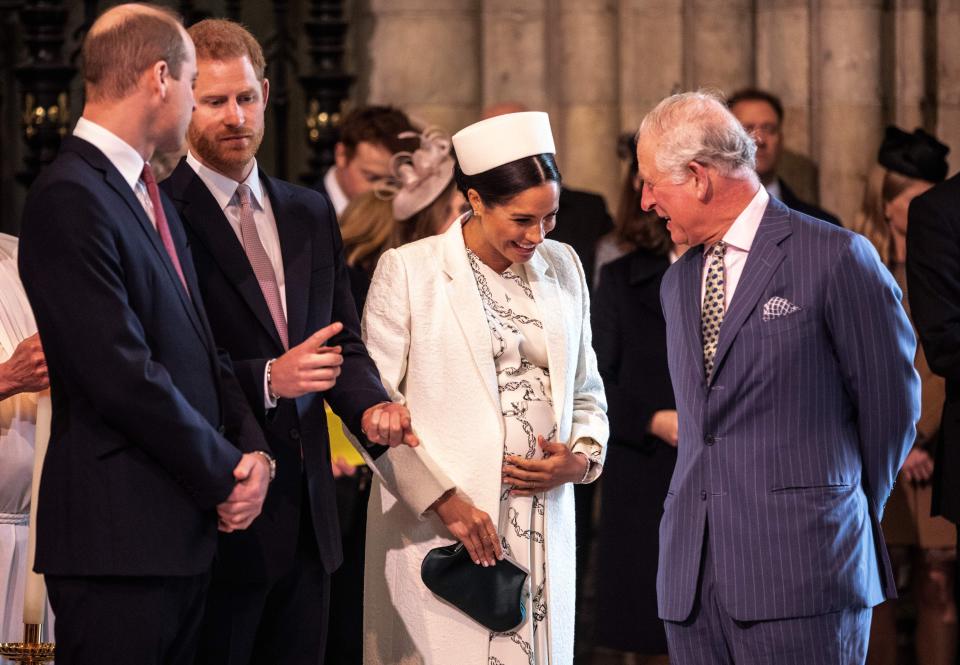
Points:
point(917, 155)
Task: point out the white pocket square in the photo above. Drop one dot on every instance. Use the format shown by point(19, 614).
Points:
point(777, 308)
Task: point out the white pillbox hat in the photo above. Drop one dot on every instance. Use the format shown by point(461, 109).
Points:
point(502, 139)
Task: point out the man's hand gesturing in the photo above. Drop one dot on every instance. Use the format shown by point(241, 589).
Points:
point(311, 366)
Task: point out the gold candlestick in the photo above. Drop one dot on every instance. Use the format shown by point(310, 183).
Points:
point(31, 651)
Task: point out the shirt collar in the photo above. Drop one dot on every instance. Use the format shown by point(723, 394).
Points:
point(741, 233)
point(223, 187)
point(775, 190)
point(120, 153)
point(337, 196)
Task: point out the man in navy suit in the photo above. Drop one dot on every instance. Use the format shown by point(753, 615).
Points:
point(792, 365)
point(139, 469)
point(271, 270)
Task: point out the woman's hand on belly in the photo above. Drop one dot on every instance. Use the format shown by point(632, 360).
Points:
point(534, 476)
point(471, 526)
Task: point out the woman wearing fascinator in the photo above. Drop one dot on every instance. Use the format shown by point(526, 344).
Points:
point(922, 548)
point(419, 199)
point(484, 332)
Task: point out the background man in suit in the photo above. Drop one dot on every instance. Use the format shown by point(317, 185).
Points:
point(761, 114)
point(271, 269)
point(792, 365)
point(369, 137)
point(138, 469)
point(933, 278)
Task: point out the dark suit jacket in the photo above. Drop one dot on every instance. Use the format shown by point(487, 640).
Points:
point(791, 449)
point(318, 293)
point(630, 338)
point(789, 198)
point(136, 464)
point(582, 220)
point(933, 287)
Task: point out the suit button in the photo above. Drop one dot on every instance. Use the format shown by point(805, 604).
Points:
point(294, 433)
point(222, 429)
point(703, 495)
point(709, 439)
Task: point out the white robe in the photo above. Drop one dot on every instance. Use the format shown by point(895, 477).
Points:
point(18, 417)
point(424, 327)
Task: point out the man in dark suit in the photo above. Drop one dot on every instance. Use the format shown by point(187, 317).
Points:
point(933, 279)
point(791, 360)
point(761, 114)
point(138, 469)
point(271, 269)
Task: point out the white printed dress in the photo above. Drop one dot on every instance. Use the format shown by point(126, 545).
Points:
point(523, 377)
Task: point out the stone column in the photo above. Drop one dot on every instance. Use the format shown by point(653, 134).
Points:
point(425, 57)
point(783, 68)
point(651, 56)
point(516, 53)
point(948, 78)
point(719, 43)
point(907, 61)
point(588, 92)
point(849, 112)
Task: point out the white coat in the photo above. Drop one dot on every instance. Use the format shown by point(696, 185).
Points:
point(425, 328)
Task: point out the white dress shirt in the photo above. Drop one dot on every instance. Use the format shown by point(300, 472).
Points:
point(739, 238)
point(337, 196)
point(224, 190)
point(123, 157)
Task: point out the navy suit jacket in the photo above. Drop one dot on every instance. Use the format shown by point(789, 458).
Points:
point(317, 294)
point(790, 451)
point(137, 460)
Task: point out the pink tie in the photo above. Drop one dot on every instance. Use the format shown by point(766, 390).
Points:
point(160, 219)
point(260, 263)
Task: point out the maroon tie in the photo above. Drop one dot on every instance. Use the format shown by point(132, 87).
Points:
point(160, 219)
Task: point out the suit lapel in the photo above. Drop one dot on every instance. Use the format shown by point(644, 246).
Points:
point(121, 187)
point(691, 267)
point(295, 246)
point(762, 261)
point(468, 308)
point(546, 293)
point(199, 210)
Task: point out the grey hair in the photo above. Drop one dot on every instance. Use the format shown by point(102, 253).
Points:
point(698, 127)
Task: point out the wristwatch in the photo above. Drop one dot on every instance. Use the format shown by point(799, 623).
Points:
point(270, 461)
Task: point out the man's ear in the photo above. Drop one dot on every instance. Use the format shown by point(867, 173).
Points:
point(701, 179)
point(266, 90)
point(159, 78)
point(340, 156)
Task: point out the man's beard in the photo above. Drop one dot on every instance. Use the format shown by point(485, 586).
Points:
point(213, 153)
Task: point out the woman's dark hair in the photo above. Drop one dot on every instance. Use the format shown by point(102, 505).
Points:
point(500, 184)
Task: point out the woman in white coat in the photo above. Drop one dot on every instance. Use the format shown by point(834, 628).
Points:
point(483, 332)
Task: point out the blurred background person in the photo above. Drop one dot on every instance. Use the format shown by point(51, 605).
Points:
point(484, 332)
point(418, 198)
point(369, 136)
point(922, 548)
point(631, 343)
point(23, 373)
point(761, 114)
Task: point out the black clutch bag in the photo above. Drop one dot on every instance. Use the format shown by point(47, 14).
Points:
point(493, 596)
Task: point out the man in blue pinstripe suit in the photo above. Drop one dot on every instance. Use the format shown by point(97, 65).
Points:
point(792, 363)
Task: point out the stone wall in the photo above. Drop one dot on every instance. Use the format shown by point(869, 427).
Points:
point(844, 69)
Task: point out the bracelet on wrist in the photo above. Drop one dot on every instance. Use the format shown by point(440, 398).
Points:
point(272, 463)
point(270, 392)
point(586, 470)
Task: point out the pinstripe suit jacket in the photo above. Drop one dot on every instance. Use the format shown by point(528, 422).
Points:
point(791, 450)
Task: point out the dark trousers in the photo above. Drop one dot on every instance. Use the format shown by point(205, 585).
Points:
point(710, 636)
point(143, 620)
point(345, 641)
point(266, 623)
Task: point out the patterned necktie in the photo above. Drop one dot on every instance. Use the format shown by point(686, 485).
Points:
point(260, 263)
point(160, 220)
point(714, 305)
